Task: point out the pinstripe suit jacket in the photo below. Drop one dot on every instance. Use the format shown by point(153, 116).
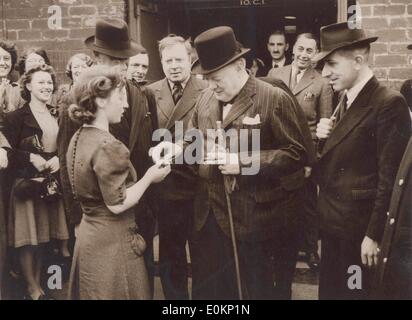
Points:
point(262, 203)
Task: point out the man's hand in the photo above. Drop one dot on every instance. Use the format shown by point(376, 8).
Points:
point(38, 162)
point(4, 162)
point(324, 127)
point(369, 252)
point(165, 151)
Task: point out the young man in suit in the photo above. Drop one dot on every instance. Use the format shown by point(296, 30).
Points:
point(112, 46)
point(264, 206)
point(358, 163)
point(176, 97)
point(277, 47)
point(314, 96)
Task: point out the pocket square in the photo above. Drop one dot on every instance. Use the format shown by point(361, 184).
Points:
point(309, 96)
point(251, 121)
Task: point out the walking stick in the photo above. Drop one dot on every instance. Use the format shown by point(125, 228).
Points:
point(228, 184)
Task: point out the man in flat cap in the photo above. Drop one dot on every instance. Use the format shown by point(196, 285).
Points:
point(359, 157)
point(112, 46)
point(262, 241)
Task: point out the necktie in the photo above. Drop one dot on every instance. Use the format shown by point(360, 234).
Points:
point(276, 65)
point(177, 92)
point(294, 79)
point(342, 108)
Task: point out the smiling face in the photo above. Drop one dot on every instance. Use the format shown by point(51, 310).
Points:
point(115, 104)
point(77, 67)
point(304, 50)
point(277, 46)
point(33, 60)
point(341, 71)
point(5, 63)
point(40, 86)
point(176, 63)
point(138, 67)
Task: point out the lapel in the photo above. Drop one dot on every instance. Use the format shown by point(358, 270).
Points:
point(306, 81)
point(284, 74)
point(164, 99)
point(29, 120)
point(357, 111)
point(186, 103)
point(242, 102)
point(214, 110)
point(139, 110)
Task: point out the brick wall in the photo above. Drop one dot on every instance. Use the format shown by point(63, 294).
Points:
point(391, 21)
point(25, 22)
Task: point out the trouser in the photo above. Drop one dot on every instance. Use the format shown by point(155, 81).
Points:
point(266, 267)
point(310, 217)
point(342, 275)
point(175, 224)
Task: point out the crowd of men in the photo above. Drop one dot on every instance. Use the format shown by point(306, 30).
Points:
point(333, 158)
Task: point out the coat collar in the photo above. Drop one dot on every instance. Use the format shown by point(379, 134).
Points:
point(358, 110)
point(242, 102)
point(307, 79)
point(186, 103)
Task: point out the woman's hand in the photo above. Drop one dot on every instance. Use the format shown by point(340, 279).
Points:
point(158, 172)
point(38, 162)
point(53, 164)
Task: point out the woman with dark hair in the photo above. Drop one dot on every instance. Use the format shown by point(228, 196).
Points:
point(8, 59)
point(108, 260)
point(36, 211)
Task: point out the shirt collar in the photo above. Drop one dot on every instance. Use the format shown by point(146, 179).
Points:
point(184, 83)
point(280, 63)
point(353, 92)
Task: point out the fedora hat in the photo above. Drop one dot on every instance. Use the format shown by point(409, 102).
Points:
point(216, 48)
point(112, 38)
point(339, 35)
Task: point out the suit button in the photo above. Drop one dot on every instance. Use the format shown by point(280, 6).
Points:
point(387, 213)
point(385, 259)
point(342, 170)
point(401, 181)
point(392, 221)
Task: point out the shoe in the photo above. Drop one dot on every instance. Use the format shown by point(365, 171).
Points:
point(313, 260)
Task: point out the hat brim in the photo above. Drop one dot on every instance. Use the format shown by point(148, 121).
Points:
point(197, 68)
point(323, 54)
point(122, 54)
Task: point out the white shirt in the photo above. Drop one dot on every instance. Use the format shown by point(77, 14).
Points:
point(300, 74)
point(353, 92)
point(280, 63)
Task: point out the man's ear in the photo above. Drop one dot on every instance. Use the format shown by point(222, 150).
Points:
point(359, 61)
point(28, 86)
point(287, 46)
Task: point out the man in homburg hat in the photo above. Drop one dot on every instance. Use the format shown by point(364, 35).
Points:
point(112, 46)
point(264, 207)
point(362, 148)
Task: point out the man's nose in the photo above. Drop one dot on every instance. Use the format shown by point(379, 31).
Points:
point(125, 104)
point(212, 85)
